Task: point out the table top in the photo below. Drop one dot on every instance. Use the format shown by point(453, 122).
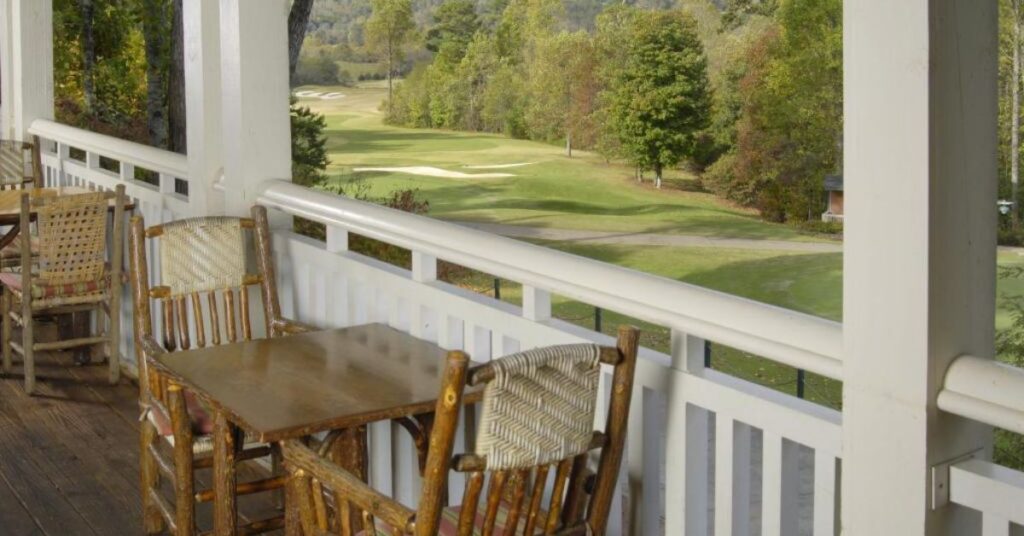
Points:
point(10, 200)
point(293, 386)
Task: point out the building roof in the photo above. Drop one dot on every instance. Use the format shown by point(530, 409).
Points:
point(833, 183)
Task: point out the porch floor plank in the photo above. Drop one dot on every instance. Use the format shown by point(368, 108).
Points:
point(69, 460)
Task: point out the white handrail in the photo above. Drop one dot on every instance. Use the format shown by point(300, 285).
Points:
point(793, 338)
point(985, 390)
point(139, 155)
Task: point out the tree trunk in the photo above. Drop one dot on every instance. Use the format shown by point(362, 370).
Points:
point(154, 32)
point(568, 143)
point(298, 20)
point(176, 83)
point(1015, 118)
point(391, 60)
point(657, 176)
point(88, 55)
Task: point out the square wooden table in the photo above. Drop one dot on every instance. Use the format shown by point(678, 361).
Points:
point(295, 386)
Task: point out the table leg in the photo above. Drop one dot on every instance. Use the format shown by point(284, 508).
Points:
point(10, 235)
point(350, 452)
point(80, 328)
point(225, 511)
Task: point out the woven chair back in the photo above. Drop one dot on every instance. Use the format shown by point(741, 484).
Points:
point(539, 408)
point(550, 470)
point(202, 290)
point(202, 255)
point(16, 163)
point(72, 233)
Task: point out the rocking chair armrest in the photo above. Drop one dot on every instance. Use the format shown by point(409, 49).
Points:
point(298, 457)
point(150, 348)
point(284, 326)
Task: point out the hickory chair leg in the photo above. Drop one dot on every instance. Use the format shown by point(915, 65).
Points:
point(114, 342)
point(225, 511)
point(152, 521)
point(292, 522)
point(5, 309)
point(27, 345)
point(184, 496)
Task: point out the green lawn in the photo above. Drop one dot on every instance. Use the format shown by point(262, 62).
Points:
point(583, 192)
point(587, 193)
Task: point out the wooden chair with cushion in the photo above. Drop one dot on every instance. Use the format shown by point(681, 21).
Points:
point(536, 434)
point(72, 274)
point(20, 165)
point(20, 168)
point(202, 294)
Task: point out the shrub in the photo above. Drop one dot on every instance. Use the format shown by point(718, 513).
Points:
point(1008, 236)
point(319, 69)
point(821, 227)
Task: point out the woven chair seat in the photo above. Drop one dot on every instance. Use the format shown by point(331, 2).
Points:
point(450, 522)
point(202, 418)
point(41, 290)
point(202, 425)
point(13, 250)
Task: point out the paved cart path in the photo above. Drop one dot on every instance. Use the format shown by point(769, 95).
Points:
point(651, 239)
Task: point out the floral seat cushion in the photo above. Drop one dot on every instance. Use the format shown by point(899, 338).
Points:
point(41, 290)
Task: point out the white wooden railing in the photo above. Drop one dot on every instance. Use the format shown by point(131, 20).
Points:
point(707, 453)
point(705, 450)
point(986, 391)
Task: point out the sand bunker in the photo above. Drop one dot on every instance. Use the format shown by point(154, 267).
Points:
point(501, 166)
point(319, 95)
point(428, 171)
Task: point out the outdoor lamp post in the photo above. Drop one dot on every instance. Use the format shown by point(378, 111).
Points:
point(1004, 206)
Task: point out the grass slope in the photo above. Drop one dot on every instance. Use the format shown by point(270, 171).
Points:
point(583, 192)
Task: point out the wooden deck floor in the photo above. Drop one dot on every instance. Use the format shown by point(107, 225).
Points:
point(69, 460)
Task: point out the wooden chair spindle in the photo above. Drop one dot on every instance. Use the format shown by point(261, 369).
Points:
point(197, 313)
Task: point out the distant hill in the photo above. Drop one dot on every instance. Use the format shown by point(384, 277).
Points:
point(340, 22)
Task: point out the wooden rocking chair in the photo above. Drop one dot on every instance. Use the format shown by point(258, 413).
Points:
point(537, 421)
point(20, 168)
point(202, 262)
point(71, 275)
point(20, 165)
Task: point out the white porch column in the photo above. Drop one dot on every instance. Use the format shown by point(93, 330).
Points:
point(254, 80)
point(919, 288)
point(26, 54)
point(201, 29)
point(6, 60)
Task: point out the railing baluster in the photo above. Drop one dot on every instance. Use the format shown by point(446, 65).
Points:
point(825, 496)
point(994, 525)
point(724, 469)
point(771, 484)
point(686, 472)
point(337, 239)
point(536, 303)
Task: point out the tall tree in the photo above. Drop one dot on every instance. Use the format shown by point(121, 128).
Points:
point(660, 99)
point(155, 29)
point(562, 86)
point(455, 23)
point(88, 55)
point(791, 118)
point(1015, 114)
point(390, 27)
point(298, 21)
point(176, 82)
